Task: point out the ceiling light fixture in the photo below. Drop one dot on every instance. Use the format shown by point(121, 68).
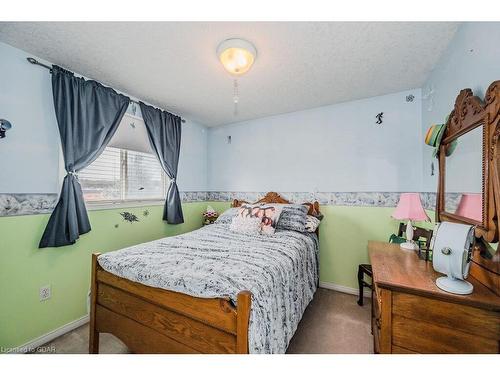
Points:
point(237, 56)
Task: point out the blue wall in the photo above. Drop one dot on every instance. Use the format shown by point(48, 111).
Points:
point(30, 154)
point(472, 60)
point(336, 148)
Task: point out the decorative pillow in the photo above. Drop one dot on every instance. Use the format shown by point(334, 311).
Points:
point(247, 225)
point(312, 223)
point(293, 217)
point(227, 216)
point(269, 215)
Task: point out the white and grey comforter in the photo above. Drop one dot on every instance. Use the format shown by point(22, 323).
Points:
point(281, 271)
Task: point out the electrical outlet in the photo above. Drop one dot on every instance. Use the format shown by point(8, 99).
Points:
point(45, 292)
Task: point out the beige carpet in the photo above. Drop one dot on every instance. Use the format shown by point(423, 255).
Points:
point(332, 323)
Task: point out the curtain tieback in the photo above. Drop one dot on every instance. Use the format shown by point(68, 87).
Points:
point(74, 174)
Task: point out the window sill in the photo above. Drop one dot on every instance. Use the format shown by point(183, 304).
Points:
point(97, 206)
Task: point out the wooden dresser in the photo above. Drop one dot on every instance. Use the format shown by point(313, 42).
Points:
point(410, 314)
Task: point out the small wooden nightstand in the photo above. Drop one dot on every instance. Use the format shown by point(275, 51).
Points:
point(410, 314)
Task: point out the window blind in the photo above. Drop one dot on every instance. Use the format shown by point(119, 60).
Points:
point(101, 180)
point(120, 175)
point(144, 176)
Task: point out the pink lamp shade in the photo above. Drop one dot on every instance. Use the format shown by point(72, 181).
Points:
point(471, 206)
point(410, 208)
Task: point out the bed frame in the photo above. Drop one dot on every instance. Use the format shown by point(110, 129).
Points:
point(154, 320)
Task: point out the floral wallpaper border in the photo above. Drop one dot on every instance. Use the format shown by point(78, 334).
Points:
point(364, 199)
point(30, 204)
point(26, 204)
point(34, 204)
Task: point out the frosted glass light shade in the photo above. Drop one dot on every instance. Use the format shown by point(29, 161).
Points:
point(236, 55)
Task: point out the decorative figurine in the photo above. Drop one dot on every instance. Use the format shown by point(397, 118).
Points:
point(209, 216)
point(128, 216)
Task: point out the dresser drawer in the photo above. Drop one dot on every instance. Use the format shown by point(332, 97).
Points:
point(423, 337)
point(454, 316)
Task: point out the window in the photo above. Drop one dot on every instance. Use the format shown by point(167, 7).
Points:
point(123, 175)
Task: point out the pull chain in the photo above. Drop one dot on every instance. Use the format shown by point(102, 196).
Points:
point(235, 96)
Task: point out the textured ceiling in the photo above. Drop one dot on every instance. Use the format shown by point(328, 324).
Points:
point(299, 65)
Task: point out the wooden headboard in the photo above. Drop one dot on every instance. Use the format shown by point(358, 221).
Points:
point(273, 197)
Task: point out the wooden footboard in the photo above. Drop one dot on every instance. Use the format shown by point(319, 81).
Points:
point(153, 320)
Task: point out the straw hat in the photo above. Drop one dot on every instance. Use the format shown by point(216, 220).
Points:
point(434, 136)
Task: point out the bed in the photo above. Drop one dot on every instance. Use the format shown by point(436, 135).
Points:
point(208, 291)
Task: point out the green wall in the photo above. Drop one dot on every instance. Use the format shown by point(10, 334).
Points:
point(344, 234)
point(24, 268)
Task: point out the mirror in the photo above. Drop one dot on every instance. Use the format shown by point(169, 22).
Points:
point(469, 177)
point(464, 177)
point(466, 166)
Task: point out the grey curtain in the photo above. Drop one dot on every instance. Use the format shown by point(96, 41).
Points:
point(88, 115)
point(164, 133)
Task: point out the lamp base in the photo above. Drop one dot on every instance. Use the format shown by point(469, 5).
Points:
point(408, 246)
point(455, 286)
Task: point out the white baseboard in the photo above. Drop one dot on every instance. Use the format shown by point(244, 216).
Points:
point(344, 289)
point(39, 341)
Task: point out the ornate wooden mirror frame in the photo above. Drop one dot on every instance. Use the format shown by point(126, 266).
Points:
point(469, 113)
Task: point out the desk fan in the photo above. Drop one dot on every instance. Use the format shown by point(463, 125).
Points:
point(451, 255)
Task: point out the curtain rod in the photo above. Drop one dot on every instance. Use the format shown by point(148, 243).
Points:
point(36, 62)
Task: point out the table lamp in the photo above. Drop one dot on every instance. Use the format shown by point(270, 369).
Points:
point(409, 208)
point(471, 206)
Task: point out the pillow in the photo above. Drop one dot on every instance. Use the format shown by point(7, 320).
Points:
point(293, 217)
point(246, 225)
point(268, 214)
point(312, 223)
point(227, 216)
